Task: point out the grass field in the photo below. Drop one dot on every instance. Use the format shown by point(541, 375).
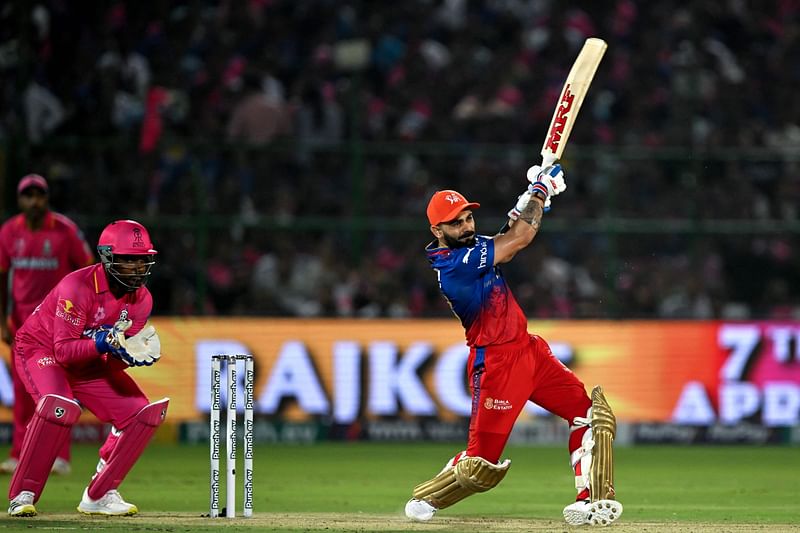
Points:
point(363, 487)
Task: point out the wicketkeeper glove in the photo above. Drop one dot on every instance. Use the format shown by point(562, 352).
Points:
point(142, 349)
point(106, 340)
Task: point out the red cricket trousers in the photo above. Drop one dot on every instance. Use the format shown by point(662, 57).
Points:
point(503, 378)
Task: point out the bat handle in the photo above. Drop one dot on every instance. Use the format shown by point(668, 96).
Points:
point(548, 159)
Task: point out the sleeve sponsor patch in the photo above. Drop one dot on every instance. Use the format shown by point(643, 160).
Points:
point(66, 311)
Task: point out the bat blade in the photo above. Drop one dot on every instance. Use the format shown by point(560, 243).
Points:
point(569, 103)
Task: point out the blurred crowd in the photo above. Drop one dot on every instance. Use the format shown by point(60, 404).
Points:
point(283, 151)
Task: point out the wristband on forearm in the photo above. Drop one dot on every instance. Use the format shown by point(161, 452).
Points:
point(539, 189)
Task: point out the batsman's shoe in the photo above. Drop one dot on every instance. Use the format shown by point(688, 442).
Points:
point(111, 504)
point(22, 505)
point(9, 465)
point(61, 467)
point(420, 510)
point(599, 513)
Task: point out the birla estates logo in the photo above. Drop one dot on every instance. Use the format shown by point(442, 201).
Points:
point(65, 309)
point(497, 405)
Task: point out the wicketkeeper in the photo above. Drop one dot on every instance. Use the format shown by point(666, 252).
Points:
point(73, 353)
point(507, 366)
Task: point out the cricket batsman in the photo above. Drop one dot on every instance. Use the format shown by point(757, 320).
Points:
point(73, 353)
point(507, 366)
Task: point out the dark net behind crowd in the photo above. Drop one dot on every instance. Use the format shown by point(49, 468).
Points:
point(283, 152)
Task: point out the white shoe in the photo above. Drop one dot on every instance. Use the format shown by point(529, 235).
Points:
point(111, 504)
point(22, 505)
point(599, 513)
point(9, 465)
point(420, 510)
point(61, 467)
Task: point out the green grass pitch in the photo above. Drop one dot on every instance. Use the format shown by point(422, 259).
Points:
point(364, 486)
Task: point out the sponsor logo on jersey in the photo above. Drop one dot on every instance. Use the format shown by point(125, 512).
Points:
point(45, 361)
point(484, 254)
point(35, 263)
point(65, 310)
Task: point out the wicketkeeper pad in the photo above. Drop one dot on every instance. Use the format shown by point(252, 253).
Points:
point(604, 428)
point(47, 431)
point(469, 476)
point(128, 448)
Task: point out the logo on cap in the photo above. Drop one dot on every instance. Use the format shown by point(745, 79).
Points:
point(446, 205)
point(137, 238)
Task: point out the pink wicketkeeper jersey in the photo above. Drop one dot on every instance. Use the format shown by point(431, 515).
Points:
point(39, 259)
point(79, 304)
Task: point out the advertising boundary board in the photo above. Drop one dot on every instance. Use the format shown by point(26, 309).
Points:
point(366, 378)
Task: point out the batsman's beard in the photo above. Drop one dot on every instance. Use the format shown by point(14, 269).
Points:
point(465, 241)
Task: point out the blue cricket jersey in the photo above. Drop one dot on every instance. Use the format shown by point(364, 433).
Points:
point(477, 292)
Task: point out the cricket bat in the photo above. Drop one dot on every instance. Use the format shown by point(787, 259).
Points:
point(572, 95)
point(569, 103)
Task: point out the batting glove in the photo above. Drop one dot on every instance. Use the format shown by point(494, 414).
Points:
point(522, 202)
point(549, 181)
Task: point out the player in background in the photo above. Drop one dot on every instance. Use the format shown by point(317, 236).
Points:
point(507, 366)
point(37, 248)
point(74, 351)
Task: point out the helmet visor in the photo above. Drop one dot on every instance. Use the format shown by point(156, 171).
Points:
point(131, 271)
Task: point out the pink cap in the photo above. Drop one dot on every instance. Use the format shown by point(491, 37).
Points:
point(32, 180)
